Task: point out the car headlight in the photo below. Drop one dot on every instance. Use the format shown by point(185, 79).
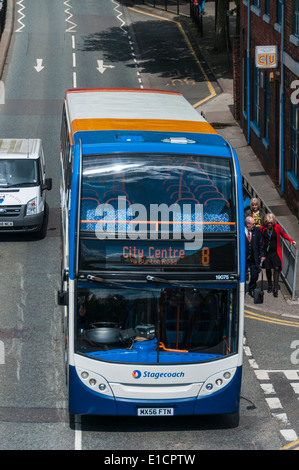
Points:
point(31, 206)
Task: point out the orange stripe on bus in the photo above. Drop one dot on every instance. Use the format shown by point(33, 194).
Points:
point(155, 125)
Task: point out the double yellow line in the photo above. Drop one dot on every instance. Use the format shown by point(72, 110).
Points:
point(291, 446)
point(267, 319)
point(209, 84)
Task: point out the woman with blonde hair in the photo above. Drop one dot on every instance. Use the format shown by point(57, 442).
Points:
point(256, 211)
point(271, 232)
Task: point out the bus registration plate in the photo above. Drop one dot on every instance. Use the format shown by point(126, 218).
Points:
point(155, 412)
point(6, 224)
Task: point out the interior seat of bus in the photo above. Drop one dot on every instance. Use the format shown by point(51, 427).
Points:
point(185, 184)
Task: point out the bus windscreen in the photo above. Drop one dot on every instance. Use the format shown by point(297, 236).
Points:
point(121, 192)
point(154, 209)
point(143, 325)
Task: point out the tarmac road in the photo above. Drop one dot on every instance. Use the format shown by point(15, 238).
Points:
point(83, 47)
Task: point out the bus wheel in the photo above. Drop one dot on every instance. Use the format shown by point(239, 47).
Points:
point(230, 421)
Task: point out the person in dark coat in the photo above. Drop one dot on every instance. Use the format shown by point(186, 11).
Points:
point(254, 251)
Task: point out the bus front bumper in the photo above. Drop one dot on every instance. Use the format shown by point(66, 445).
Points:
point(83, 400)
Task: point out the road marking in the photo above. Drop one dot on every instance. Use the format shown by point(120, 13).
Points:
point(101, 67)
point(74, 61)
point(282, 417)
point(39, 65)
point(22, 15)
point(289, 434)
point(274, 403)
point(209, 84)
point(74, 80)
point(291, 446)
point(295, 387)
point(268, 389)
point(68, 19)
point(131, 43)
point(119, 15)
point(78, 433)
point(265, 318)
point(2, 353)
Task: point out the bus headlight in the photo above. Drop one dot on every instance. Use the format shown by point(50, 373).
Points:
point(94, 381)
point(216, 382)
point(31, 207)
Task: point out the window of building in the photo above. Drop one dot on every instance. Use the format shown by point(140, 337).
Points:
point(293, 174)
point(296, 18)
point(255, 122)
point(267, 7)
point(267, 115)
point(256, 3)
point(279, 11)
point(244, 87)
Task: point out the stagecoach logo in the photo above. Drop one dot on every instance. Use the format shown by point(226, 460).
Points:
point(133, 221)
point(2, 197)
point(136, 374)
point(156, 375)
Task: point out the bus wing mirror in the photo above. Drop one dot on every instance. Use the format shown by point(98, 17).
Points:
point(62, 297)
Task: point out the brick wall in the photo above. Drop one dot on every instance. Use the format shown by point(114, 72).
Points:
point(264, 33)
point(236, 76)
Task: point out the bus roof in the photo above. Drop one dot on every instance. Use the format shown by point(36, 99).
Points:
point(131, 109)
point(19, 148)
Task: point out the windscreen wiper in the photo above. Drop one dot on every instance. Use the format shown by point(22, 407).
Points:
point(117, 284)
point(159, 280)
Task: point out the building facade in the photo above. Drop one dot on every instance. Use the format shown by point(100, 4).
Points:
point(267, 93)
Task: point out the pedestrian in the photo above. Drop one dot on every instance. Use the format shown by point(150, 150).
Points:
point(246, 202)
point(256, 211)
point(201, 6)
point(271, 232)
point(254, 252)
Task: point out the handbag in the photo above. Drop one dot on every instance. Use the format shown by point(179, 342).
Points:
point(258, 292)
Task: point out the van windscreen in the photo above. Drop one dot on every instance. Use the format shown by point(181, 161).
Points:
point(18, 172)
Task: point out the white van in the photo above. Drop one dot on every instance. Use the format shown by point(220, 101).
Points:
point(23, 186)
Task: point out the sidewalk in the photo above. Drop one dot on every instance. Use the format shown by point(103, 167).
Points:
point(218, 111)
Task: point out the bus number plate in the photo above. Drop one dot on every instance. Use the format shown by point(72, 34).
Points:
point(155, 412)
point(6, 224)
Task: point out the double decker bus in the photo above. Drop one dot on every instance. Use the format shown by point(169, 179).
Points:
point(152, 257)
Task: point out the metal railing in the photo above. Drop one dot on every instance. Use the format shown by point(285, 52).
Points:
point(289, 253)
point(173, 6)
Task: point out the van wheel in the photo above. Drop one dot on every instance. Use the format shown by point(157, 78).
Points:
point(42, 232)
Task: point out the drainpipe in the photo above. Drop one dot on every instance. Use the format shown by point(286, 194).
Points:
point(281, 117)
point(248, 71)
